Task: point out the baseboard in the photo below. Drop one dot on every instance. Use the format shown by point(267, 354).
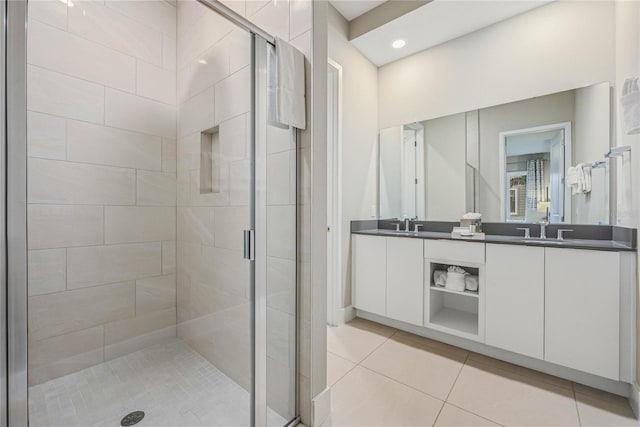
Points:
point(616, 387)
point(321, 407)
point(343, 315)
point(348, 314)
point(634, 398)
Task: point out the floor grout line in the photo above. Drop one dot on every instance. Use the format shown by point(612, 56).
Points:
point(501, 371)
point(435, 421)
point(341, 357)
point(575, 401)
point(403, 384)
point(346, 373)
point(473, 413)
point(376, 348)
point(457, 376)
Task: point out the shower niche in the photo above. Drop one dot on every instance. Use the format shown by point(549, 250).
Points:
point(210, 161)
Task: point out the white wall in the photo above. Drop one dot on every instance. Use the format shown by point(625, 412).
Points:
point(390, 171)
point(592, 130)
point(557, 47)
point(591, 140)
point(359, 136)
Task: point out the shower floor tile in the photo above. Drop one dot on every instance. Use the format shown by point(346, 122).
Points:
point(171, 383)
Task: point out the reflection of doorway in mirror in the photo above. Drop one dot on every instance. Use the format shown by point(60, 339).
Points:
point(401, 172)
point(413, 171)
point(533, 164)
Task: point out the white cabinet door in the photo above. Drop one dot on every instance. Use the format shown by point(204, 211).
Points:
point(405, 264)
point(582, 310)
point(514, 299)
point(369, 273)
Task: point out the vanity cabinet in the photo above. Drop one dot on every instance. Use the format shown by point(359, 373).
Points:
point(514, 299)
point(565, 307)
point(404, 279)
point(387, 277)
point(370, 273)
point(582, 310)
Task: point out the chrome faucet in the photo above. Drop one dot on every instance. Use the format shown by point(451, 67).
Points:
point(543, 229)
point(527, 232)
point(561, 232)
point(406, 225)
point(543, 226)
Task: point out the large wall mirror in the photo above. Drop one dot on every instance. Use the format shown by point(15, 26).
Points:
point(525, 161)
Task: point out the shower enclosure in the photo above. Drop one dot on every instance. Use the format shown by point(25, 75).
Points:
point(151, 216)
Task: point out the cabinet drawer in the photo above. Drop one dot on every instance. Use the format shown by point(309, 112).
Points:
point(454, 251)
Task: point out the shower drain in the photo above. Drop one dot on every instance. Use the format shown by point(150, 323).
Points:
point(132, 418)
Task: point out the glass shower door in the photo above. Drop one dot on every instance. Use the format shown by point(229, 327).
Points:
point(276, 251)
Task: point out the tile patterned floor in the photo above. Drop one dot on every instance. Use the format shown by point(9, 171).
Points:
point(380, 376)
point(173, 384)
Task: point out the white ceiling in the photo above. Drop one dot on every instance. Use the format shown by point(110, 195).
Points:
point(436, 23)
point(351, 9)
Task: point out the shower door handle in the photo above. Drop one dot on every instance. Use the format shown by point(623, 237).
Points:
point(249, 250)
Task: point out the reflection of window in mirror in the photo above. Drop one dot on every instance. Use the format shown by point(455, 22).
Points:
point(517, 196)
point(533, 169)
point(513, 201)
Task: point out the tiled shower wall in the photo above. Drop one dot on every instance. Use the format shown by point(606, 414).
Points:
point(101, 181)
point(214, 81)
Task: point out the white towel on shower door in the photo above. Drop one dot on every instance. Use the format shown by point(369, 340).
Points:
point(290, 96)
point(586, 177)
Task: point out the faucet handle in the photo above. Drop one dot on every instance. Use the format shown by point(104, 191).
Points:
point(397, 224)
point(527, 232)
point(416, 227)
point(561, 232)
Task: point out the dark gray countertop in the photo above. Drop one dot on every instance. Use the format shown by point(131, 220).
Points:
point(600, 245)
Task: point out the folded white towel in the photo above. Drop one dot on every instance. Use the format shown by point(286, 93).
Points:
point(440, 278)
point(471, 283)
point(578, 178)
point(291, 105)
point(455, 281)
point(572, 179)
point(456, 269)
point(472, 215)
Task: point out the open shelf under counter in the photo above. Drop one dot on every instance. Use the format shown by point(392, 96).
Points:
point(455, 312)
point(472, 294)
point(456, 320)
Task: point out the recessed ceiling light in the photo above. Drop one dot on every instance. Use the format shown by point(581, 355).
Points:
point(203, 61)
point(398, 44)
